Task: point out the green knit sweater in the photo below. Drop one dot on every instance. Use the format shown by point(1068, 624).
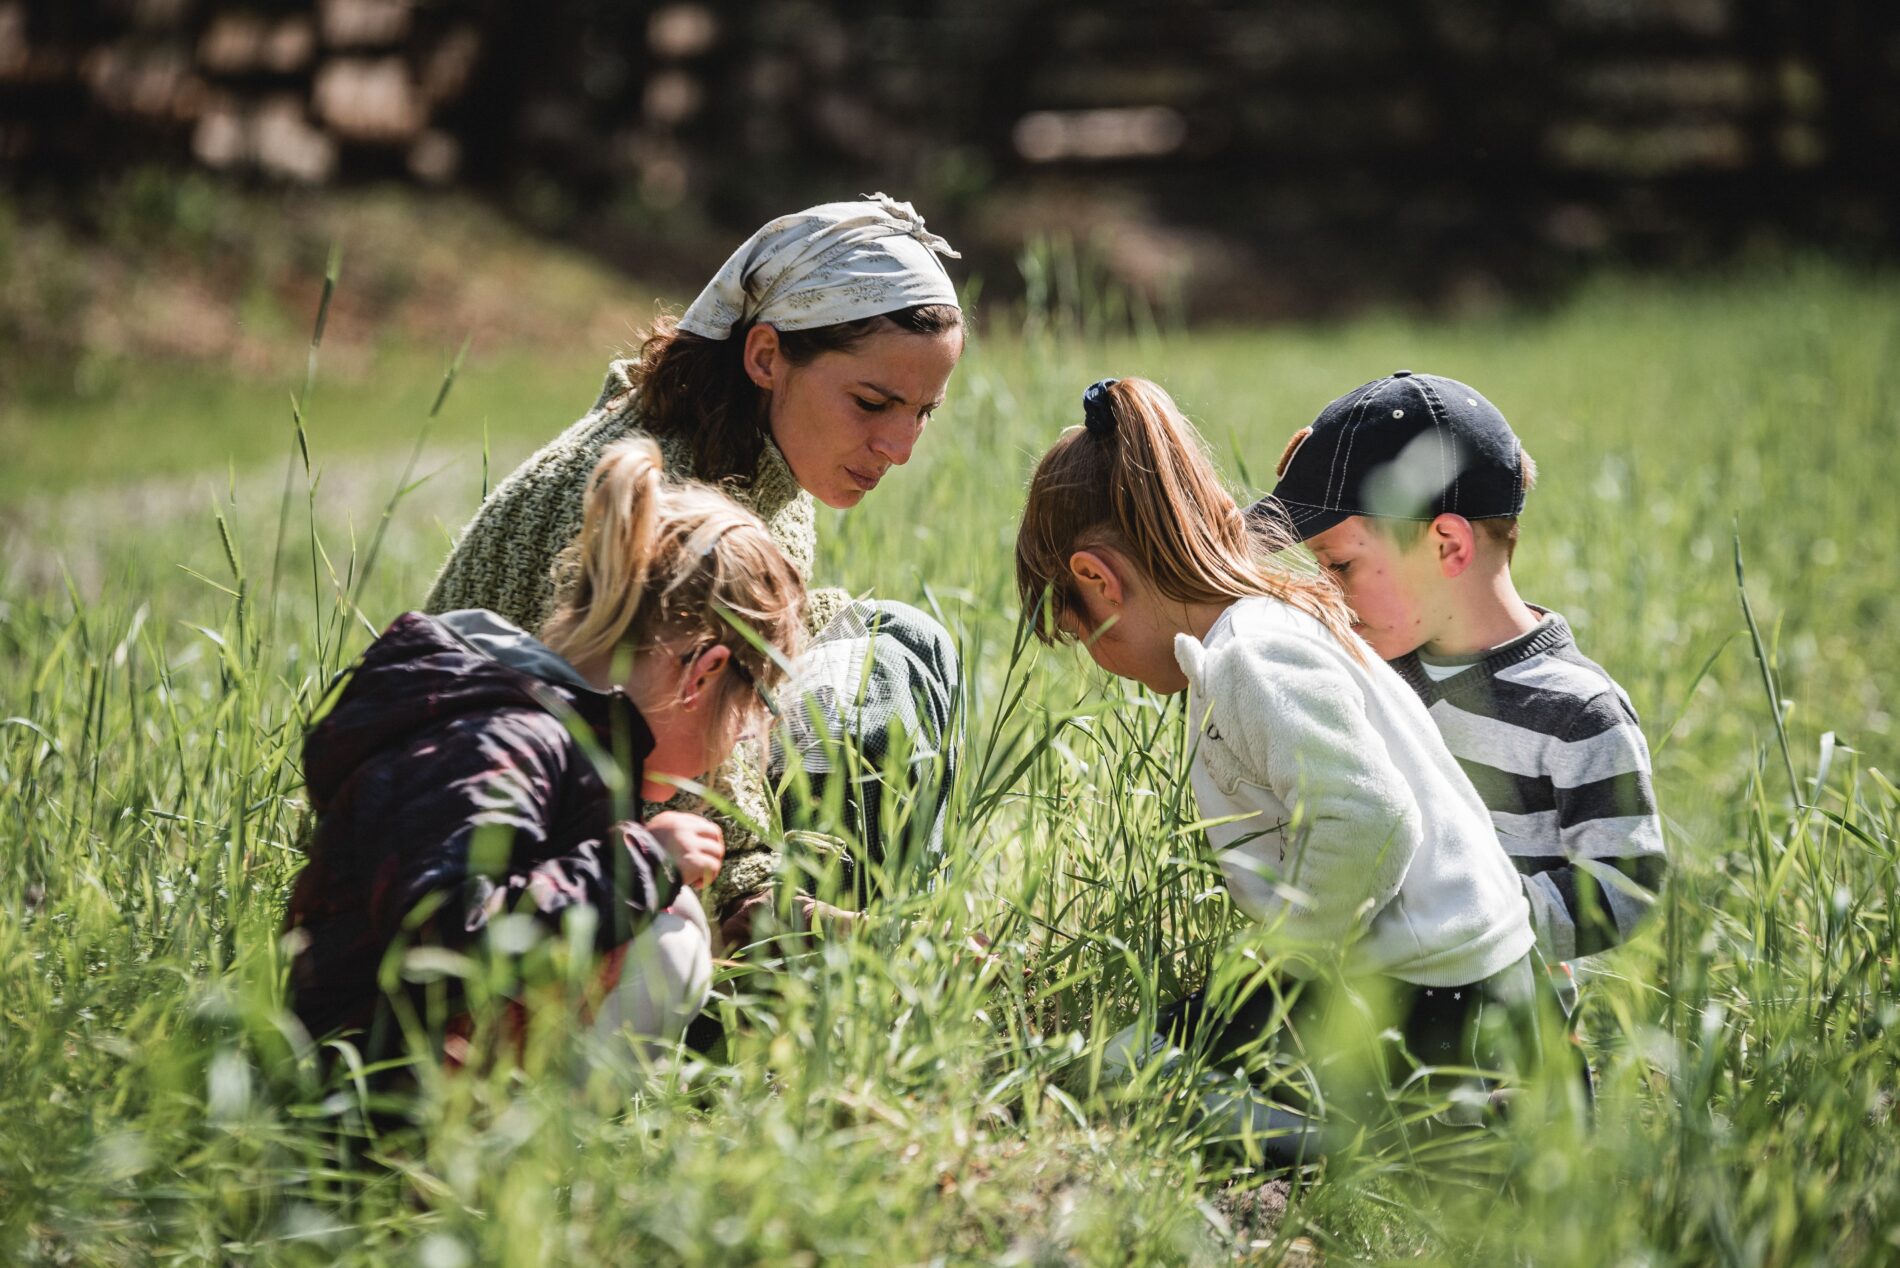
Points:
point(504, 561)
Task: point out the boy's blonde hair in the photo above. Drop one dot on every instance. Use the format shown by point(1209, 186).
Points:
point(1499, 530)
point(658, 559)
point(1147, 490)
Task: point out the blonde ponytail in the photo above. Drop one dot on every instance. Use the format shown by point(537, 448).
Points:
point(1137, 480)
point(658, 559)
point(601, 579)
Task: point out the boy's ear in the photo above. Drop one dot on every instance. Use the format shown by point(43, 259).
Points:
point(1096, 578)
point(1454, 542)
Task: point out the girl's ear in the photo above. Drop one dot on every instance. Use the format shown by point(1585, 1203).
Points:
point(1096, 578)
point(762, 358)
point(698, 683)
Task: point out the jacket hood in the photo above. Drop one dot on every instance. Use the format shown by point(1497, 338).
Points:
point(428, 670)
point(507, 644)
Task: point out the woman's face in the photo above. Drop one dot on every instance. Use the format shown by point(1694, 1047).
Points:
point(843, 419)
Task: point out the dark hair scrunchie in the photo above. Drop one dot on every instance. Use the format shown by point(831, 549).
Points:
point(1098, 411)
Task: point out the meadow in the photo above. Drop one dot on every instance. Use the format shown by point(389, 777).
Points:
point(186, 565)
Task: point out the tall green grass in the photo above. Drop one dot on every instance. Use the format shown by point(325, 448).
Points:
point(897, 1097)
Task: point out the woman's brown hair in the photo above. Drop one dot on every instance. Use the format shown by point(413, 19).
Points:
point(1137, 481)
point(678, 561)
point(697, 387)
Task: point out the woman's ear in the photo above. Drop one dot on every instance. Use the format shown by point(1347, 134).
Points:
point(762, 357)
point(698, 683)
point(1096, 578)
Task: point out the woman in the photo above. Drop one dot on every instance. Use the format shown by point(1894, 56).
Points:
point(807, 368)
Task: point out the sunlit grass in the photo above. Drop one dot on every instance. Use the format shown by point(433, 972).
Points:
point(896, 1098)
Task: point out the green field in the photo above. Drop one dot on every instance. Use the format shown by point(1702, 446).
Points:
point(168, 617)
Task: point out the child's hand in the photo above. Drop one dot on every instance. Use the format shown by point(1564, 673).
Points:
point(824, 918)
point(695, 844)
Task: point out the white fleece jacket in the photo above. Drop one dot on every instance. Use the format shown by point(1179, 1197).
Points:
point(1349, 824)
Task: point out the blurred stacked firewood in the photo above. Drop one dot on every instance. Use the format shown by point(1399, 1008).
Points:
point(307, 92)
point(1388, 130)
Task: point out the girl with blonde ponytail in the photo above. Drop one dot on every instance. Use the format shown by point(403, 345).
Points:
point(1340, 821)
point(678, 594)
point(466, 770)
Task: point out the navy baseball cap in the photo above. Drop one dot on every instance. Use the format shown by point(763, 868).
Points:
point(1407, 446)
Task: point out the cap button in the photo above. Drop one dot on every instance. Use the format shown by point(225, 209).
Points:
point(1401, 374)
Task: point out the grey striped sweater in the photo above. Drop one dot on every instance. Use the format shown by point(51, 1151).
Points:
point(1555, 750)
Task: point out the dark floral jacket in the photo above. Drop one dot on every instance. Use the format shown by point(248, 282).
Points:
point(450, 786)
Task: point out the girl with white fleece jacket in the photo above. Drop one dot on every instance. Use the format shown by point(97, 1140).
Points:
point(1340, 820)
point(1393, 859)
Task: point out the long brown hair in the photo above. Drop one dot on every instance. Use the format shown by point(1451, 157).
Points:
point(697, 387)
point(1146, 489)
point(676, 560)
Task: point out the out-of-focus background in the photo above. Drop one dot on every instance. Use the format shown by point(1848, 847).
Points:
point(1264, 160)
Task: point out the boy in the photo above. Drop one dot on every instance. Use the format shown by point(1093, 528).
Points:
point(1408, 490)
